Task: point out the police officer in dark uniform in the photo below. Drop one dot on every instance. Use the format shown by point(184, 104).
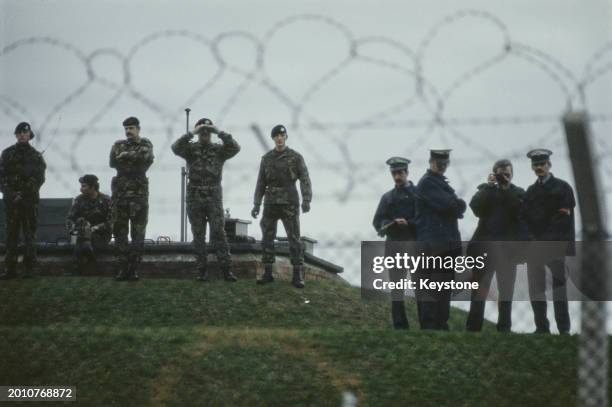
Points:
point(438, 210)
point(548, 210)
point(395, 219)
point(90, 220)
point(22, 173)
point(497, 204)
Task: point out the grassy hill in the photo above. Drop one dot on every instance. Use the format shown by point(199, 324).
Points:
point(178, 342)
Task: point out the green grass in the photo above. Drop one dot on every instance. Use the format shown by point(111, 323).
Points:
point(178, 343)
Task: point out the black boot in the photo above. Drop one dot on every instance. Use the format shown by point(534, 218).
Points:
point(132, 273)
point(73, 270)
point(203, 274)
point(8, 274)
point(267, 275)
point(122, 275)
point(28, 271)
point(228, 275)
point(298, 277)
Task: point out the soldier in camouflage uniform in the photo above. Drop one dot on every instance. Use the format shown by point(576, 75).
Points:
point(279, 170)
point(131, 158)
point(204, 194)
point(22, 173)
point(90, 220)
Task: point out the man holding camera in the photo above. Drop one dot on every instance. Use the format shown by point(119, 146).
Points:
point(204, 194)
point(90, 221)
point(497, 205)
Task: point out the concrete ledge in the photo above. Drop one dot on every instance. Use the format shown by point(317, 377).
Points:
point(176, 260)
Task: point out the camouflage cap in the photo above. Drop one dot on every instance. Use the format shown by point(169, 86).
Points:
point(24, 126)
point(278, 129)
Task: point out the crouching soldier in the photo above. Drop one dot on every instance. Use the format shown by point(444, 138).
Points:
point(89, 220)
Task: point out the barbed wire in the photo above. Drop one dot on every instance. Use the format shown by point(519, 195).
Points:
point(424, 94)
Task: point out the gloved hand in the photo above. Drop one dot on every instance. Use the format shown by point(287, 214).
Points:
point(305, 206)
point(255, 211)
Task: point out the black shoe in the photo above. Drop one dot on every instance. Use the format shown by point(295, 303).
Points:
point(229, 276)
point(398, 315)
point(542, 331)
point(203, 276)
point(267, 276)
point(298, 277)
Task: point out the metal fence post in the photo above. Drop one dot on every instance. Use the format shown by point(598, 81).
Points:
point(593, 345)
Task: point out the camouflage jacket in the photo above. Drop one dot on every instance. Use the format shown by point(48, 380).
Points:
point(131, 181)
point(205, 161)
point(278, 172)
point(22, 170)
point(97, 212)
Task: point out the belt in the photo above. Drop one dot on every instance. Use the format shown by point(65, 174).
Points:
point(289, 186)
point(131, 174)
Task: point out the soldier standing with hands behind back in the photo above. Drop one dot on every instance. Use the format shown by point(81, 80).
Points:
point(22, 173)
point(279, 170)
point(131, 158)
point(204, 193)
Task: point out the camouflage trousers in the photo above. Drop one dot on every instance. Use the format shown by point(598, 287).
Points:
point(20, 217)
point(130, 216)
point(200, 213)
point(88, 243)
point(290, 216)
